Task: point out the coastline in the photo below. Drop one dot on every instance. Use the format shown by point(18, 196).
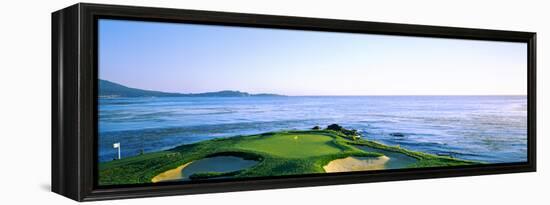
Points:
point(280, 153)
point(417, 135)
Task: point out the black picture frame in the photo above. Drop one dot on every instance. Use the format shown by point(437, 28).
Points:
point(74, 99)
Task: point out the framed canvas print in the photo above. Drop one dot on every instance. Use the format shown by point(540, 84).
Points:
point(154, 101)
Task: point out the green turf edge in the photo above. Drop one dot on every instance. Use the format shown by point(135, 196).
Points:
point(142, 168)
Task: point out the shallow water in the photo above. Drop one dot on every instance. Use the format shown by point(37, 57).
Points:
point(482, 128)
point(217, 164)
point(397, 160)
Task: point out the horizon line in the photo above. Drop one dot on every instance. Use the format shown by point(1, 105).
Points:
point(390, 95)
point(284, 95)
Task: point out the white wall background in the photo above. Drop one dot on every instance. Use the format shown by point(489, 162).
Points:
point(25, 102)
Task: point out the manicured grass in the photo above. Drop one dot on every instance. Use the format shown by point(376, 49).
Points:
point(209, 175)
point(291, 145)
point(277, 153)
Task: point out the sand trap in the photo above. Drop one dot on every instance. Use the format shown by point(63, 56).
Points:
point(397, 160)
point(170, 175)
point(349, 164)
point(221, 164)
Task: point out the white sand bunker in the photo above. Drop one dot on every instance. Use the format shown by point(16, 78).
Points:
point(349, 164)
point(170, 175)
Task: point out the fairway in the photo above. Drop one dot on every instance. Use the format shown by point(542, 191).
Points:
point(292, 145)
point(272, 154)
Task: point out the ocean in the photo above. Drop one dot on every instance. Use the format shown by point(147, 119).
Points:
point(491, 129)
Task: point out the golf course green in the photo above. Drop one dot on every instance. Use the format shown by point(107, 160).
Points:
point(268, 154)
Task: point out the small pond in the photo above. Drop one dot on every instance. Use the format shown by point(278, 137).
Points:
point(217, 164)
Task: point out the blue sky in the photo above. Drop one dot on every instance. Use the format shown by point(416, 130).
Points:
point(190, 58)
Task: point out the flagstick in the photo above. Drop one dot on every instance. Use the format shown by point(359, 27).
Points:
point(117, 145)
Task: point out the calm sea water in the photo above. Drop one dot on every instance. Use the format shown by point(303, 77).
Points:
point(484, 128)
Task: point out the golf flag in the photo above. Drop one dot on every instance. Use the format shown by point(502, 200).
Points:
point(116, 145)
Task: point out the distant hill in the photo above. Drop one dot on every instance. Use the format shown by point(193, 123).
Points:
point(111, 89)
